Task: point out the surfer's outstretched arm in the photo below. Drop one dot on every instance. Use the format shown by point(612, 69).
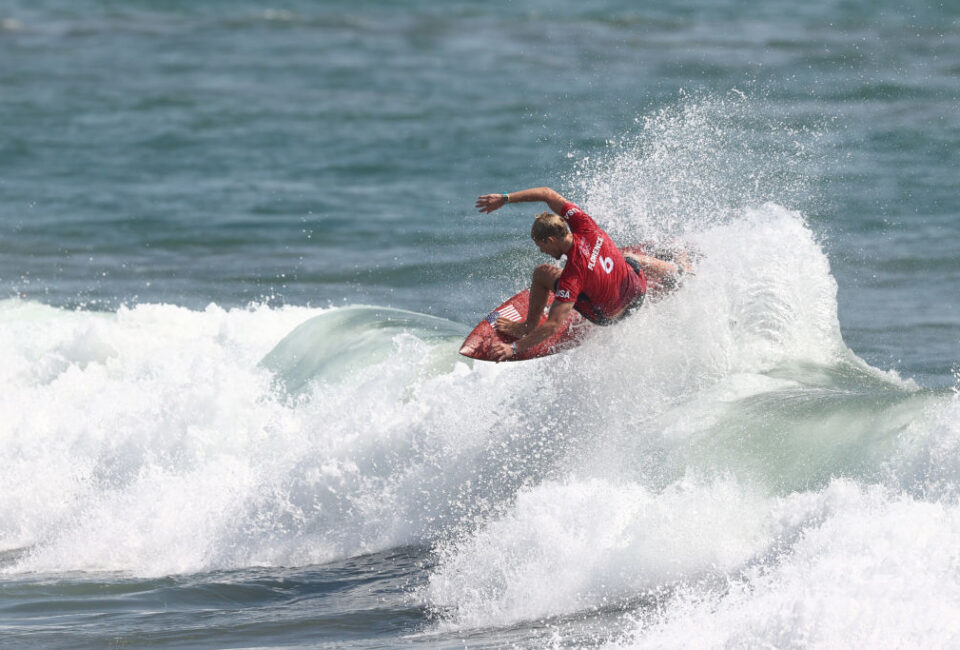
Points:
point(490, 202)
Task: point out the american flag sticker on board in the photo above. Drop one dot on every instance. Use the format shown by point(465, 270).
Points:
point(509, 312)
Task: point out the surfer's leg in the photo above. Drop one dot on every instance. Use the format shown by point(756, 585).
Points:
point(544, 278)
point(676, 252)
point(658, 271)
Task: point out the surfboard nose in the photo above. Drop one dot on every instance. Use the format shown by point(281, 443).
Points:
point(474, 346)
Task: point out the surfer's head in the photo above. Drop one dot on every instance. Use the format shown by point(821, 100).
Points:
point(550, 234)
point(546, 225)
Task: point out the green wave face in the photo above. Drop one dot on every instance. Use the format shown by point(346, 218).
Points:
point(342, 341)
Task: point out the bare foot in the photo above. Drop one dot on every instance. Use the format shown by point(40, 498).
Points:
point(682, 260)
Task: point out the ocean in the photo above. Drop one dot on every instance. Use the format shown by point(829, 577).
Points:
point(239, 252)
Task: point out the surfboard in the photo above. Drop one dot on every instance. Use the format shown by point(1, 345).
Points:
point(480, 341)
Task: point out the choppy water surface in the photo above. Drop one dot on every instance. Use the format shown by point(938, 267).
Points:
point(239, 253)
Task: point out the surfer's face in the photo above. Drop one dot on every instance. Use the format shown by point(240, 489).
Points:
point(549, 246)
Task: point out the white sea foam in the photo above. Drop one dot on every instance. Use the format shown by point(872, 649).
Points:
point(585, 543)
point(688, 458)
point(127, 438)
point(872, 568)
point(720, 561)
point(152, 440)
point(735, 476)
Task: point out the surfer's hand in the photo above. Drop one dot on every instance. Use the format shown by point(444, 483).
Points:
point(502, 351)
point(490, 202)
point(510, 328)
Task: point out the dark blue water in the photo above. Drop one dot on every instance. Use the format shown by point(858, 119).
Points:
point(184, 184)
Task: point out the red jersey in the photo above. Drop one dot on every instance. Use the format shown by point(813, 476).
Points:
point(596, 277)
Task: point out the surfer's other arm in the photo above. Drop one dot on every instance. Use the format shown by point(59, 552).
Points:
point(558, 313)
point(490, 202)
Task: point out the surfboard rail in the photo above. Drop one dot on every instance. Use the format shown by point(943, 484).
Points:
point(479, 343)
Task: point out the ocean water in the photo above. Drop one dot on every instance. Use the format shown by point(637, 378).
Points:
point(238, 253)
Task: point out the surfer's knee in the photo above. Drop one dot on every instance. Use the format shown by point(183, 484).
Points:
point(545, 275)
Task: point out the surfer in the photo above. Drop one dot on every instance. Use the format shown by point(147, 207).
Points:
point(598, 280)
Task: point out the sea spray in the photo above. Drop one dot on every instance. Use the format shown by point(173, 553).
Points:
point(755, 404)
point(698, 162)
point(711, 434)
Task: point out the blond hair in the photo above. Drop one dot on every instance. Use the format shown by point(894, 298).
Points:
point(547, 225)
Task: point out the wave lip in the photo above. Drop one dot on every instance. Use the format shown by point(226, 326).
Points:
point(335, 342)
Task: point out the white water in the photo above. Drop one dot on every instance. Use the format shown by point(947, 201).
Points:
point(722, 453)
point(867, 567)
point(740, 468)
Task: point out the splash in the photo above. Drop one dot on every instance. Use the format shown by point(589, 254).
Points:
point(695, 164)
point(727, 435)
point(705, 436)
